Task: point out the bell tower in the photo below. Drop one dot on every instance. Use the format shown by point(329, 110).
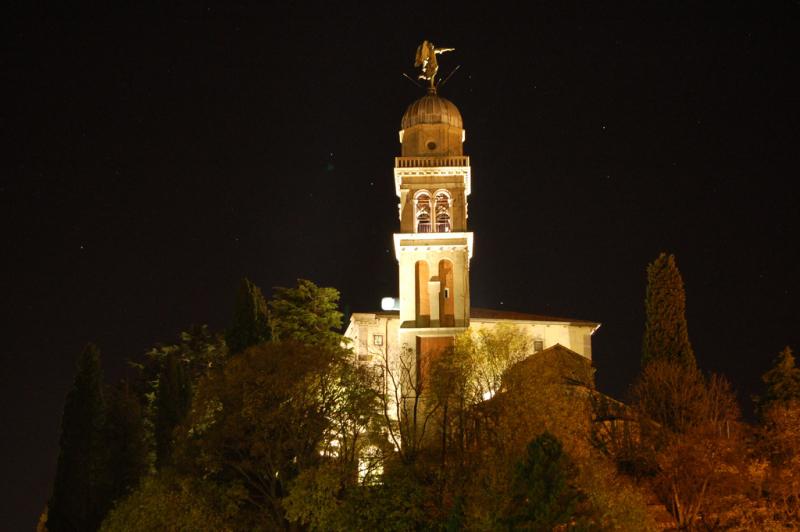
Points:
point(433, 247)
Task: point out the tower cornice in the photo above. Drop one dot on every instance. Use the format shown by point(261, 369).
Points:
point(460, 175)
point(413, 242)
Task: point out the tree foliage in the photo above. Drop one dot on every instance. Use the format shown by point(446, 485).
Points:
point(671, 394)
point(666, 334)
point(124, 438)
point(543, 495)
point(167, 502)
point(172, 400)
point(78, 501)
point(780, 446)
point(307, 314)
point(487, 353)
point(250, 319)
point(276, 410)
point(293, 433)
point(781, 382)
point(690, 440)
point(165, 382)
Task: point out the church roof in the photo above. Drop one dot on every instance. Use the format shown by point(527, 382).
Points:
point(432, 109)
point(491, 314)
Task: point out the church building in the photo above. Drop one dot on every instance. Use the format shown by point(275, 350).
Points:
point(433, 248)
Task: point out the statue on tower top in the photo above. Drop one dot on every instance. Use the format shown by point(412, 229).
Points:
point(426, 60)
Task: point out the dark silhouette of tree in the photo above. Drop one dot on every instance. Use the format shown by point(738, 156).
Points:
point(542, 493)
point(308, 314)
point(173, 398)
point(666, 335)
point(781, 382)
point(250, 319)
point(198, 352)
point(124, 438)
point(77, 502)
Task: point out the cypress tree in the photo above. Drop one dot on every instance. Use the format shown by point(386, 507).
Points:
point(250, 319)
point(666, 335)
point(77, 500)
point(125, 439)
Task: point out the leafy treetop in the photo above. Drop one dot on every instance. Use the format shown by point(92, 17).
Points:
point(308, 314)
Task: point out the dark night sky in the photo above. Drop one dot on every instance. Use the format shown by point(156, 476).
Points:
point(153, 157)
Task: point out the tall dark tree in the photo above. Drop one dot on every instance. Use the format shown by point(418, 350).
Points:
point(77, 502)
point(781, 382)
point(173, 398)
point(125, 440)
point(307, 313)
point(666, 335)
point(250, 319)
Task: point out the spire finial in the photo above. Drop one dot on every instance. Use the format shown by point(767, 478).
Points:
point(426, 60)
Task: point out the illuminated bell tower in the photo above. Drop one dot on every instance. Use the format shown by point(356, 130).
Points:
point(433, 247)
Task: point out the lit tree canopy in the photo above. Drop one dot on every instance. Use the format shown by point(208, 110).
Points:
point(274, 411)
point(307, 314)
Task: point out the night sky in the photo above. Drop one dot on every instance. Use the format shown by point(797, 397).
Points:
point(153, 157)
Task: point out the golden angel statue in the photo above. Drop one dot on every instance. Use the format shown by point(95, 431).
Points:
point(426, 59)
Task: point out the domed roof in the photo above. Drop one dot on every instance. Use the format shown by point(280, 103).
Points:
point(432, 109)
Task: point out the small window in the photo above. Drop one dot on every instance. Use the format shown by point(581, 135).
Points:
point(447, 293)
point(538, 345)
point(377, 339)
point(431, 145)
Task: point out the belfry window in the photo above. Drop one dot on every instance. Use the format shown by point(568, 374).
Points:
point(443, 203)
point(423, 212)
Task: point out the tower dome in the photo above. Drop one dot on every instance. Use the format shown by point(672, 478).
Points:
point(432, 126)
point(432, 109)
